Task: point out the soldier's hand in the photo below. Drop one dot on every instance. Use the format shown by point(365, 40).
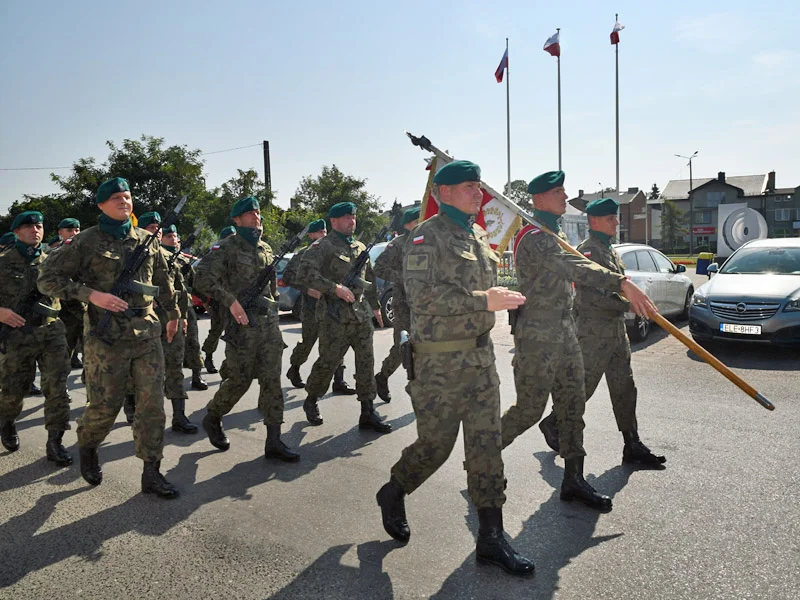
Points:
point(640, 302)
point(344, 293)
point(378, 317)
point(501, 298)
point(238, 313)
point(185, 324)
point(314, 293)
point(10, 318)
point(108, 301)
point(172, 329)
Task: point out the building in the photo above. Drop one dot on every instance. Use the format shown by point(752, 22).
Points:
point(633, 218)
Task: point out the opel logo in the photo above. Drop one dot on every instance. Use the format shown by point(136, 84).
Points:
point(741, 307)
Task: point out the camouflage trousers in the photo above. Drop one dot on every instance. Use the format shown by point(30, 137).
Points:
point(402, 320)
point(191, 349)
point(110, 371)
point(219, 319)
point(47, 346)
point(543, 368)
point(443, 399)
point(173, 361)
point(254, 353)
point(71, 315)
point(334, 340)
point(309, 336)
point(611, 356)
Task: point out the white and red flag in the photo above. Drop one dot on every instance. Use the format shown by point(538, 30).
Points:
point(615, 33)
point(553, 45)
point(502, 67)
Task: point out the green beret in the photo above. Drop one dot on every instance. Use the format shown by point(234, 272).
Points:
point(112, 186)
point(602, 207)
point(170, 229)
point(546, 182)
point(341, 209)
point(26, 218)
point(318, 225)
point(149, 218)
point(69, 224)
point(244, 205)
point(8, 238)
point(457, 172)
point(227, 232)
point(412, 214)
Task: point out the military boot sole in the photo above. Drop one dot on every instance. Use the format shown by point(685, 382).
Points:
point(398, 531)
point(653, 464)
point(10, 446)
point(374, 425)
point(517, 572)
point(344, 390)
point(282, 455)
point(61, 459)
point(189, 428)
point(598, 504)
point(167, 494)
point(220, 444)
point(200, 386)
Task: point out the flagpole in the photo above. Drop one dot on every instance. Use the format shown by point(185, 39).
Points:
point(508, 116)
point(616, 55)
point(559, 104)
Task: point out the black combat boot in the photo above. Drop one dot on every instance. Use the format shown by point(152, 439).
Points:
point(76, 362)
point(129, 408)
point(198, 383)
point(293, 374)
point(340, 386)
point(8, 436)
point(370, 420)
point(90, 465)
point(179, 421)
point(275, 448)
point(34, 390)
point(312, 411)
point(391, 499)
point(216, 434)
point(550, 430)
point(55, 449)
point(153, 482)
point(492, 547)
point(382, 382)
point(574, 487)
point(209, 364)
point(636, 453)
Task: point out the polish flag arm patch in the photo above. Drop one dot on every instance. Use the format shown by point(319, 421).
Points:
point(418, 240)
point(215, 247)
point(588, 254)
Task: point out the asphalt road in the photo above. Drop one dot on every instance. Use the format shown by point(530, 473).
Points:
point(723, 521)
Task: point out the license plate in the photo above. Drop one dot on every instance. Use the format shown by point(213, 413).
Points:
point(743, 329)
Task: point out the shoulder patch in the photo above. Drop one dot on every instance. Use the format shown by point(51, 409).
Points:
point(418, 240)
point(588, 254)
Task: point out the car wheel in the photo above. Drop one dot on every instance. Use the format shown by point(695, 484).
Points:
point(640, 329)
point(297, 309)
point(387, 312)
point(199, 309)
point(686, 304)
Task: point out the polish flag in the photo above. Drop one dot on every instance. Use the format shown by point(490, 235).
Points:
point(615, 33)
point(552, 45)
point(498, 74)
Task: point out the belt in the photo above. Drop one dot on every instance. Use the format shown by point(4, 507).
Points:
point(482, 341)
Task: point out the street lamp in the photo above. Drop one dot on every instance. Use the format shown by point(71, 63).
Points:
point(691, 211)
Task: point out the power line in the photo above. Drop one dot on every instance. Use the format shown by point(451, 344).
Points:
point(229, 149)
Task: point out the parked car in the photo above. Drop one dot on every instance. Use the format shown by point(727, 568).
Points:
point(753, 297)
point(661, 279)
point(291, 299)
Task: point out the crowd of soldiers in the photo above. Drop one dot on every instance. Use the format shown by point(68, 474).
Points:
point(568, 328)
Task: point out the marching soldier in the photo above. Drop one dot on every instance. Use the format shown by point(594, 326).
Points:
point(548, 357)
point(603, 339)
point(192, 359)
point(310, 325)
point(85, 269)
point(450, 274)
point(36, 335)
point(7, 240)
point(344, 315)
point(219, 317)
point(72, 311)
point(389, 266)
point(256, 346)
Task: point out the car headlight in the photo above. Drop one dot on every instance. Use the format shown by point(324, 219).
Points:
point(700, 300)
point(793, 305)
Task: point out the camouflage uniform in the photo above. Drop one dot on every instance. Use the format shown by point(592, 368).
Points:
point(40, 340)
point(93, 260)
point(219, 320)
point(72, 312)
point(446, 272)
point(310, 326)
point(252, 352)
point(603, 339)
point(548, 357)
point(173, 351)
point(389, 266)
point(191, 357)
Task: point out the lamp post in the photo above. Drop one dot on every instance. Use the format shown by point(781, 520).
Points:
point(691, 211)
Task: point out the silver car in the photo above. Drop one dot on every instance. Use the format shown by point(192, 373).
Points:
point(661, 279)
point(754, 297)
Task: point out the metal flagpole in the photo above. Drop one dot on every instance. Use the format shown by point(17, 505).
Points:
point(559, 104)
point(616, 54)
point(508, 115)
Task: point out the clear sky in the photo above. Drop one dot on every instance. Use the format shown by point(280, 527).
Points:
point(337, 82)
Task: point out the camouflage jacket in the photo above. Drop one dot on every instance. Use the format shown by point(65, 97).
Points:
point(179, 284)
point(325, 264)
point(596, 307)
point(291, 278)
point(546, 273)
point(232, 267)
point(389, 266)
point(446, 271)
point(17, 280)
point(93, 260)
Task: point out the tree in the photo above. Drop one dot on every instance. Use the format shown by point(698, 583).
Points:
point(517, 191)
point(673, 225)
point(396, 216)
point(655, 192)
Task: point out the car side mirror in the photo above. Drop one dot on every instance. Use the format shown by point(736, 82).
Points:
point(680, 268)
point(712, 269)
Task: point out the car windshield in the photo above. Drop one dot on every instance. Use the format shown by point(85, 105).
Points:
point(779, 261)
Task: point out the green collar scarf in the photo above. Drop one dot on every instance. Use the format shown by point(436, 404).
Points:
point(28, 252)
point(116, 229)
point(461, 219)
point(547, 219)
point(603, 237)
point(170, 249)
point(346, 238)
point(249, 234)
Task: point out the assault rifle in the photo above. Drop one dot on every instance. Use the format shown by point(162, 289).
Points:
point(125, 283)
point(27, 307)
point(189, 241)
point(252, 299)
point(353, 277)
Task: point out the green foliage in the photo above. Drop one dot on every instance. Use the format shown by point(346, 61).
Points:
point(673, 226)
point(517, 191)
point(655, 192)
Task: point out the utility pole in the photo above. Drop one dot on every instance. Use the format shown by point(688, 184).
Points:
point(267, 172)
point(691, 202)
